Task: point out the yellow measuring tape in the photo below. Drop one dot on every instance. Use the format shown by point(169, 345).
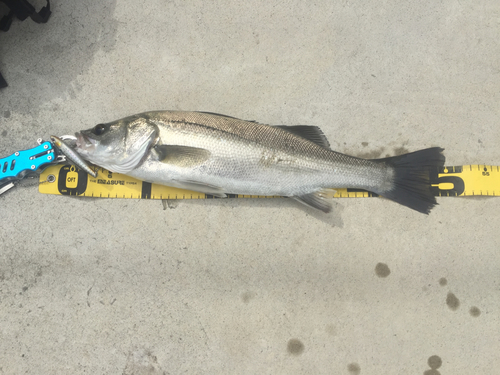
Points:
point(467, 180)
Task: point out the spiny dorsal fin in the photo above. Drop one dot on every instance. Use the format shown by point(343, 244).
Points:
point(221, 115)
point(217, 114)
point(309, 132)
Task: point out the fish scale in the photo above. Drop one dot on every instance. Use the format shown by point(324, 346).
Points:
point(331, 169)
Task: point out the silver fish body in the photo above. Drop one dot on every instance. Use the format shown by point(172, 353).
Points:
point(218, 154)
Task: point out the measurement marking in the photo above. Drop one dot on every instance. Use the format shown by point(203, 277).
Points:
point(478, 180)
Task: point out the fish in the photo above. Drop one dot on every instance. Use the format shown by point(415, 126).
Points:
point(72, 155)
point(218, 155)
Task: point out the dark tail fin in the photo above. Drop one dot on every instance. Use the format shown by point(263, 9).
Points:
point(411, 185)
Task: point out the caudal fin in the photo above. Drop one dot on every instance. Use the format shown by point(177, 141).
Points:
point(411, 185)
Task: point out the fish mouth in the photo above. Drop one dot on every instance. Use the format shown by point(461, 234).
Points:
point(84, 144)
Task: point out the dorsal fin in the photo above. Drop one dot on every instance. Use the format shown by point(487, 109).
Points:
point(221, 115)
point(309, 132)
point(216, 114)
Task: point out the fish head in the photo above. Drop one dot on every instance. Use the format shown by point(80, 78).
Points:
point(118, 146)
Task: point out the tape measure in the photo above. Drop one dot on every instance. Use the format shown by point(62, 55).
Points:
point(467, 180)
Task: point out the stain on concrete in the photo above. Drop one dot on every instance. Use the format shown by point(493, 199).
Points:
point(142, 362)
point(4, 133)
point(247, 296)
point(353, 368)
point(434, 362)
point(474, 311)
point(452, 301)
point(170, 203)
point(400, 151)
point(364, 144)
point(295, 347)
point(330, 329)
point(88, 295)
point(374, 154)
point(6, 114)
point(443, 281)
point(93, 28)
point(382, 270)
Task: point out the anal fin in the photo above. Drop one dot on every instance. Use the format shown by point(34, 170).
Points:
point(318, 199)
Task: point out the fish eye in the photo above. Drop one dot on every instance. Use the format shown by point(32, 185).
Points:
point(99, 129)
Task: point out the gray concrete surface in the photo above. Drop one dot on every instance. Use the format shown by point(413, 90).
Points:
point(101, 286)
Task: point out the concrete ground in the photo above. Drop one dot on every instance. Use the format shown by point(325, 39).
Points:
point(98, 286)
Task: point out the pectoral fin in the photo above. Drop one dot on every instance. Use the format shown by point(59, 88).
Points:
point(182, 156)
point(317, 199)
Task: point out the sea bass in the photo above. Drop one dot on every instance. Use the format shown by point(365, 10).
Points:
point(217, 154)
